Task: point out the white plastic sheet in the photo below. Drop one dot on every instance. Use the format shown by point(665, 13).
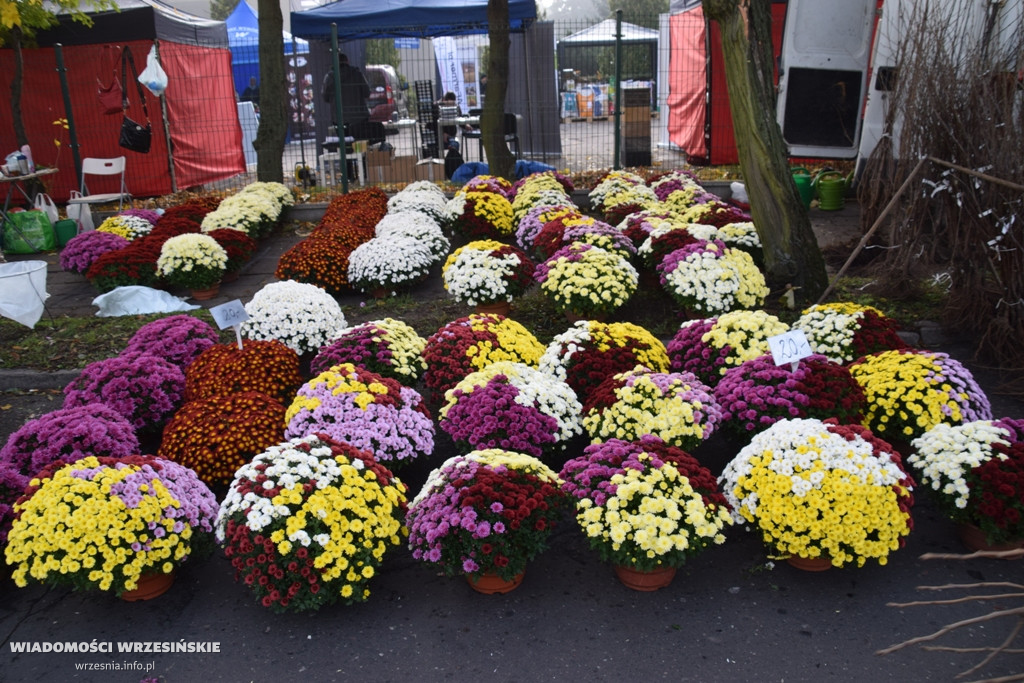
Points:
point(138, 300)
point(739, 192)
point(23, 291)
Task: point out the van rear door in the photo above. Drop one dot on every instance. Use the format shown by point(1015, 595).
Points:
point(823, 69)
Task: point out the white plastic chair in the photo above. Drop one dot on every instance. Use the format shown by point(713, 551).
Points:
point(101, 167)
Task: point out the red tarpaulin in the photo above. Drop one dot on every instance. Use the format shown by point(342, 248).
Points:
point(205, 137)
point(699, 119)
point(687, 83)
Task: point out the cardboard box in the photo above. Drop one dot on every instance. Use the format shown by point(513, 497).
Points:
point(430, 169)
point(397, 169)
point(376, 157)
point(403, 169)
point(637, 129)
point(637, 114)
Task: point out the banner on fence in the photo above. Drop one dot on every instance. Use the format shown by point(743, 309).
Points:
point(458, 62)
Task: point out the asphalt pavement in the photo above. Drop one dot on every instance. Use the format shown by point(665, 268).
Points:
point(729, 615)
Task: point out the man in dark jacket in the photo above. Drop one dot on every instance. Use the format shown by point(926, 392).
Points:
point(354, 91)
point(252, 93)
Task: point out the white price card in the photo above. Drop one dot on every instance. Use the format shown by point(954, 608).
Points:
point(790, 347)
point(230, 314)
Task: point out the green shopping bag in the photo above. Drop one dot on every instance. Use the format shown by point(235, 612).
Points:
point(28, 232)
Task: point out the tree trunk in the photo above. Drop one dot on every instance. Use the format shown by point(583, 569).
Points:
point(16, 87)
point(492, 121)
point(271, 134)
point(791, 252)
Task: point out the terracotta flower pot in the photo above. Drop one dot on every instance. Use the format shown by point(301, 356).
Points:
point(492, 584)
point(150, 586)
point(810, 564)
point(974, 539)
point(206, 294)
point(645, 581)
point(574, 317)
point(494, 308)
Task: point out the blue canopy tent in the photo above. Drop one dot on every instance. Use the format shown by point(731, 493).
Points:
point(405, 18)
point(532, 91)
point(244, 42)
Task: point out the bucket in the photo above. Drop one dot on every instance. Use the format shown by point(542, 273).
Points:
point(65, 230)
point(802, 180)
point(23, 291)
point(831, 187)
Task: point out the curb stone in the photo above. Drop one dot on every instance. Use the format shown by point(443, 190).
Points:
point(36, 379)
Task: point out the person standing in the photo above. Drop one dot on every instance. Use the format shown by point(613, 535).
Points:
point(252, 93)
point(354, 91)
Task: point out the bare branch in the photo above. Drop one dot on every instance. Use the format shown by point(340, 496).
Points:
point(1006, 643)
point(1003, 679)
point(948, 628)
point(1014, 554)
point(955, 601)
point(983, 584)
point(969, 650)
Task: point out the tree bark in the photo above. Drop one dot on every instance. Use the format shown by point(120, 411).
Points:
point(791, 253)
point(500, 160)
point(16, 88)
point(271, 134)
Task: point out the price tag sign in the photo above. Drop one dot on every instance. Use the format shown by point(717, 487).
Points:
point(790, 347)
point(231, 314)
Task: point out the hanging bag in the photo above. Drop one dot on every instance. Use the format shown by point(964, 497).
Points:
point(110, 95)
point(134, 136)
point(153, 76)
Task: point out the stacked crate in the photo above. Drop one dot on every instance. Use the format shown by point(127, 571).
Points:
point(636, 135)
point(426, 120)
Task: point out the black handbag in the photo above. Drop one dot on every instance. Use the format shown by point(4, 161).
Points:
point(134, 136)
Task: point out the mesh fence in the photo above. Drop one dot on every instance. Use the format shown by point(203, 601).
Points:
point(565, 107)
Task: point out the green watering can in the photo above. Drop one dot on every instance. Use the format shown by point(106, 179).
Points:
point(802, 179)
point(831, 187)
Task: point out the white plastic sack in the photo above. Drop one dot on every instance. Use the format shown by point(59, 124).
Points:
point(44, 203)
point(23, 291)
point(138, 300)
point(80, 213)
point(153, 76)
point(739, 193)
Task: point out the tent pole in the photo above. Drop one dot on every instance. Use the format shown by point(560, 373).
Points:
point(338, 112)
point(167, 128)
point(302, 140)
point(707, 88)
point(529, 95)
point(58, 50)
point(616, 160)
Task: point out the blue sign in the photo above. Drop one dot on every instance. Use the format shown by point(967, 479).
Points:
point(407, 43)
